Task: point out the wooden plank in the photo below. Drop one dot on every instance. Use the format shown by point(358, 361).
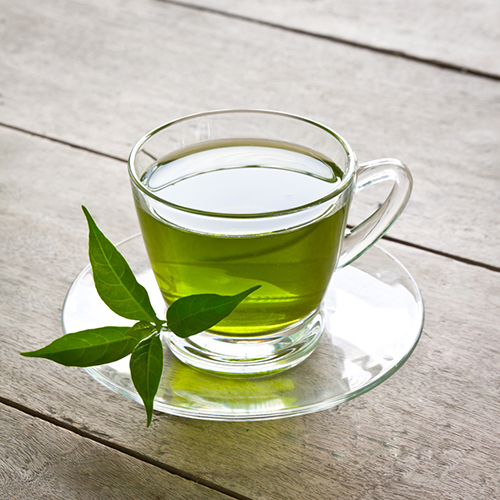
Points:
point(467, 37)
point(44, 462)
point(89, 73)
point(426, 433)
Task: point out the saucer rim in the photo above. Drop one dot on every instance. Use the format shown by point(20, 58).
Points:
point(235, 416)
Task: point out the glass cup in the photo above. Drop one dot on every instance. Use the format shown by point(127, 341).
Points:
point(231, 199)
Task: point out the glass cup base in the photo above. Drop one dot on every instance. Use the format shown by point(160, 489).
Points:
point(270, 353)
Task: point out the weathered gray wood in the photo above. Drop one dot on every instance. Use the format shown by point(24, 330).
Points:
point(41, 461)
point(465, 35)
point(428, 432)
point(101, 74)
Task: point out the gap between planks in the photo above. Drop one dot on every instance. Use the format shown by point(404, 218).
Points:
point(122, 449)
point(391, 52)
point(458, 258)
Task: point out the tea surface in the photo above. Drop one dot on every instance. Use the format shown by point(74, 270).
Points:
point(293, 265)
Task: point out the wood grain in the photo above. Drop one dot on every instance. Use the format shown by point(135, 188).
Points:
point(466, 37)
point(428, 432)
point(44, 462)
point(99, 75)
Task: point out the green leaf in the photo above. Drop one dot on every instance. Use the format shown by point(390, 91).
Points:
point(93, 347)
point(114, 280)
point(146, 367)
point(196, 313)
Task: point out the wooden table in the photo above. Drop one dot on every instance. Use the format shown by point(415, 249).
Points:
point(81, 81)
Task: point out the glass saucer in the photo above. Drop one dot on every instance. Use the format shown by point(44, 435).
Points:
point(374, 317)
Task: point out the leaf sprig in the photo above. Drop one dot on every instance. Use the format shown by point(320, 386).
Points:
point(119, 289)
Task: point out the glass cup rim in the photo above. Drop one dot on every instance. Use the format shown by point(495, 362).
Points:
point(346, 181)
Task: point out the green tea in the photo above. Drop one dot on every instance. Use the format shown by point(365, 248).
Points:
point(293, 263)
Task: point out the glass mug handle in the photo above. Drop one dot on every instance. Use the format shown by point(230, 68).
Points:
point(361, 237)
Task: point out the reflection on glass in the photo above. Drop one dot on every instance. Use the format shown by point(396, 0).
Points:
point(191, 388)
